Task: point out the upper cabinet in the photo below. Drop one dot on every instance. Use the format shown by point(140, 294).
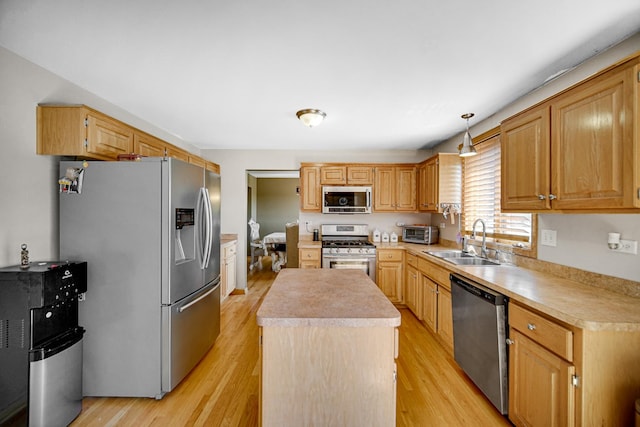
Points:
point(578, 151)
point(394, 188)
point(310, 189)
point(81, 131)
point(77, 130)
point(439, 182)
point(346, 175)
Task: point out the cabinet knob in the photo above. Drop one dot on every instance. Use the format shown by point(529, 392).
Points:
point(531, 326)
point(541, 196)
point(510, 341)
point(552, 197)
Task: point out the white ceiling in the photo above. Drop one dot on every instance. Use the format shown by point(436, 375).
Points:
point(389, 74)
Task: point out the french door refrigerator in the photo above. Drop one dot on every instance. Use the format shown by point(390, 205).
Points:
point(150, 233)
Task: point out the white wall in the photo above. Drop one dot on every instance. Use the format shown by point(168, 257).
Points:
point(28, 189)
point(581, 239)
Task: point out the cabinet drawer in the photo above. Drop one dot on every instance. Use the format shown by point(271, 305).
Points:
point(309, 254)
point(412, 260)
point(229, 251)
point(436, 273)
point(556, 338)
point(390, 255)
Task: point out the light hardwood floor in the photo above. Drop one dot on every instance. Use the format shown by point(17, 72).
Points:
point(223, 389)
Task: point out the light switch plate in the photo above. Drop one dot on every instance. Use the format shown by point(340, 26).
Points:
point(548, 237)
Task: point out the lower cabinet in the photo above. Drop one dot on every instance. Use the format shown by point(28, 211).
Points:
point(436, 301)
point(540, 391)
point(389, 274)
point(328, 376)
point(310, 257)
point(228, 268)
point(412, 289)
point(563, 375)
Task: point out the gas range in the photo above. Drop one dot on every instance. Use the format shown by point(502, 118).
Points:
point(348, 247)
point(347, 239)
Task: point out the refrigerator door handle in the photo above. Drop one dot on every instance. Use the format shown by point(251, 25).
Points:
point(197, 300)
point(209, 226)
point(200, 232)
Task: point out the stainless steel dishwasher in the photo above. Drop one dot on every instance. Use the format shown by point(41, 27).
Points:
point(479, 337)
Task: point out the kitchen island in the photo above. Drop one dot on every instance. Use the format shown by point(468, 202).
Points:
point(329, 342)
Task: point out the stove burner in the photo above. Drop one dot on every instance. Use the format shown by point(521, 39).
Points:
point(346, 244)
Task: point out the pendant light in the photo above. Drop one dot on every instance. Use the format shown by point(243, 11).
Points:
point(311, 117)
point(466, 148)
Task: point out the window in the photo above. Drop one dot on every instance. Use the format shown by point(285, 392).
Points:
point(481, 196)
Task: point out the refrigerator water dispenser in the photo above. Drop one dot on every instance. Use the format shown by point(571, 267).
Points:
point(185, 237)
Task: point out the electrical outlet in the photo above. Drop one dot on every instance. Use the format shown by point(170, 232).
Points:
point(548, 237)
point(443, 225)
point(307, 223)
point(627, 247)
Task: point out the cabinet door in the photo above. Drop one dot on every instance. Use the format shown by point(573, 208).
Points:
point(525, 161)
point(405, 177)
point(422, 187)
point(359, 175)
point(107, 137)
point(431, 186)
point(148, 146)
point(310, 189)
point(592, 144)
point(390, 280)
point(445, 317)
point(384, 189)
point(333, 175)
point(429, 303)
point(390, 275)
point(231, 272)
point(412, 293)
point(177, 153)
point(540, 390)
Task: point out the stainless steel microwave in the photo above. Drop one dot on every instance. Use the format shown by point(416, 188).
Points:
point(424, 234)
point(346, 200)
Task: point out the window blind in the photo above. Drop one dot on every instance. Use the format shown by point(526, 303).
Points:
point(481, 196)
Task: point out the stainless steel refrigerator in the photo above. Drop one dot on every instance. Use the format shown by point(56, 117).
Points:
point(150, 233)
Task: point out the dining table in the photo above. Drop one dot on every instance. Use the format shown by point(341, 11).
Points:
point(275, 243)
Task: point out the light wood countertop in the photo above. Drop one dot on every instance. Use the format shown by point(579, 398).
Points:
point(228, 238)
point(575, 303)
point(326, 297)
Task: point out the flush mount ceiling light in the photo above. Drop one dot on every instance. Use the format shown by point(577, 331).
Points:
point(466, 148)
point(311, 117)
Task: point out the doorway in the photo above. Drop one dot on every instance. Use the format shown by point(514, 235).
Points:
point(272, 200)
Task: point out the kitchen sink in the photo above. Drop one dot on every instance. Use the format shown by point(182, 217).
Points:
point(471, 261)
point(461, 258)
point(449, 254)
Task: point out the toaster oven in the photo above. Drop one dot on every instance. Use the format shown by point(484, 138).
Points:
point(424, 234)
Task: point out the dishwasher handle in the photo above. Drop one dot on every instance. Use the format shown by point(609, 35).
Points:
point(478, 290)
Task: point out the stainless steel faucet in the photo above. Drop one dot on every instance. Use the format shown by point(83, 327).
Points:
point(483, 249)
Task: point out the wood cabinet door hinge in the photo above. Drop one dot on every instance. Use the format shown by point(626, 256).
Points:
point(575, 380)
point(86, 143)
point(639, 76)
point(86, 122)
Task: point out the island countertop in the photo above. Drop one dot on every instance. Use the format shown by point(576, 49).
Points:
point(326, 297)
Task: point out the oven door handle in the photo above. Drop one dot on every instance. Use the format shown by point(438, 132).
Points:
point(349, 260)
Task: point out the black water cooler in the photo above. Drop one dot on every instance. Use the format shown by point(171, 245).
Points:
point(41, 343)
